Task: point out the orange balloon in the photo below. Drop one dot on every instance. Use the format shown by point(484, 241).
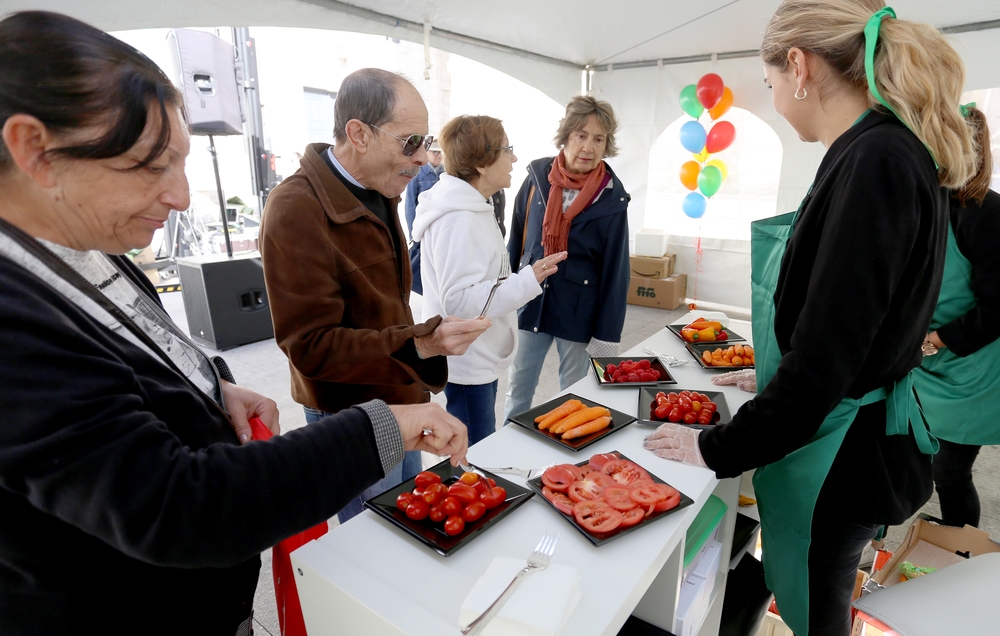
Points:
point(725, 102)
point(689, 175)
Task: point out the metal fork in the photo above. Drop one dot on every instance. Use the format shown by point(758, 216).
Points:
point(504, 275)
point(539, 560)
point(668, 361)
point(523, 472)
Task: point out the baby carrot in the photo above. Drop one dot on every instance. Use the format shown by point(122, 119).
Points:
point(571, 406)
point(590, 427)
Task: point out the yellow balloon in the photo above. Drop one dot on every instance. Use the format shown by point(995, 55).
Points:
point(721, 165)
point(700, 157)
point(689, 175)
point(723, 105)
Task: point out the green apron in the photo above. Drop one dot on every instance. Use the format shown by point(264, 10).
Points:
point(787, 490)
point(960, 396)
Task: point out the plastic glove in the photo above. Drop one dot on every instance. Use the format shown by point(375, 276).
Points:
point(602, 349)
point(745, 380)
point(676, 442)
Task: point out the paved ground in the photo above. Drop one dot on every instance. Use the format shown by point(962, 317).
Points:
point(262, 367)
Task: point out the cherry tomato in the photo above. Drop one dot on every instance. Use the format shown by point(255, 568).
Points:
point(474, 511)
point(618, 498)
point(454, 525)
point(480, 486)
point(418, 492)
point(660, 394)
point(403, 500)
point(559, 477)
point(684, 404)
point(689, 418)
point(709, 406)
point(469, 478)
point(437, 514)
point(686, 394)
point(642, 364)
point(465, 493)
point(558, 499)
point(695, 406)
point(426, 478)
point(632, 517)
point(418, 510)
point(675, 415)
point(663, 411)
point(596, 517)
point(705, 418)
point(435, 493)
point(495, 498)
point(673, 398)
point(451, 506)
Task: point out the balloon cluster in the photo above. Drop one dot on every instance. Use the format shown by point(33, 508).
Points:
point(711, 95)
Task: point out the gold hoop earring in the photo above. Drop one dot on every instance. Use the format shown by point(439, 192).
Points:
point(804, 93)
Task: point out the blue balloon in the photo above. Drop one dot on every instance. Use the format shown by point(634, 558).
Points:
point(694, 205)
point(693, 136)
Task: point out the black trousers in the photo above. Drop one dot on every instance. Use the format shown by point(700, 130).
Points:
point(834, 555)
point(953, 480)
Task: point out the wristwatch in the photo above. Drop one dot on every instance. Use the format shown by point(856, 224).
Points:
point(928, 348)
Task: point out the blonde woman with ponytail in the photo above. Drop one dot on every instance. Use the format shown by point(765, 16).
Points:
point(843, 294)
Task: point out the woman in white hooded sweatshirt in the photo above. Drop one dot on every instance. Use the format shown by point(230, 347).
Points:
point(462, 250)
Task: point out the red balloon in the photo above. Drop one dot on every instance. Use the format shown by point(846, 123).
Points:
point(709, 90)
point(720, 137)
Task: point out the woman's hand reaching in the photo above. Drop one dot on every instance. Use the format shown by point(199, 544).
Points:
point(546, 267)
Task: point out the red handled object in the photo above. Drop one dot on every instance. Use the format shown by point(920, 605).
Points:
point(289, 610)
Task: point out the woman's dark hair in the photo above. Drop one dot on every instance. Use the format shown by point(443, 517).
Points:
point(977, 187)
point(69, 76)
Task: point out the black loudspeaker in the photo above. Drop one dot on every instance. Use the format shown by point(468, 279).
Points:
point(225, 300)
point(204, 69)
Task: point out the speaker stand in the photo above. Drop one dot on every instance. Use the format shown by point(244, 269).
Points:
point(222, 202)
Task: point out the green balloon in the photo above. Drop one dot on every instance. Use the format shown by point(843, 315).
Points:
point(689, 101)
point(710, 180)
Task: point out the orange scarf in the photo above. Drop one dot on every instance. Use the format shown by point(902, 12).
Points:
point(555, 226)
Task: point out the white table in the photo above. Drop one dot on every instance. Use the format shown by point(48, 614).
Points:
point(367, 577)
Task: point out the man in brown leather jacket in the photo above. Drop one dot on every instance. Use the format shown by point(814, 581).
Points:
point(336, 267)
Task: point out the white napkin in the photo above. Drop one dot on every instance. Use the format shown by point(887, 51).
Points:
point(540, 606)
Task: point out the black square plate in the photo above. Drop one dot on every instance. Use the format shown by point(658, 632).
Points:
point(599, 364)
point(599, 540)
point(733, 336)
point(619, 421)
point(647, 396)
point(697, 349)
point(432, 534)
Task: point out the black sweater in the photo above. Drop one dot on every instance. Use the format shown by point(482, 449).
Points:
point(126, 503)
point(977, 229)
point(857, 288)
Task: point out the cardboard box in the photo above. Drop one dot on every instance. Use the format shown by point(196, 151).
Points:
point(652, 266)
point(663, 293)
point(649, 242)
point(930, 545)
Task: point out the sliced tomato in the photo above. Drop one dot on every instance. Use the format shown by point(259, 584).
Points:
point(558, 499)
point(646, 494)
point(618, 498)
point(632, 517)
point(624, 472)
point(596, 517)
point(597, 462)
point(671, 498)
point(589, 488)
point(559, 477)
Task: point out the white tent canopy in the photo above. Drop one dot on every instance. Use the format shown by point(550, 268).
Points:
point(549, 44)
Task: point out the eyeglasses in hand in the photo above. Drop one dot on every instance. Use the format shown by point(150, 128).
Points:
point(411, 143)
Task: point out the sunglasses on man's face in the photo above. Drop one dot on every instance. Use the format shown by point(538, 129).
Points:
point(411, 143)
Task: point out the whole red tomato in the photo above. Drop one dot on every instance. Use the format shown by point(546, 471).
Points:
point(675, 415)
point(463, 492)
point(437, 514)
point(454, 525)
point(418, 510)
point(435, 493)
point(689, 418)
point(426, 478)
point(474, 511)
point(451, 506)
point(493, 499)
point(663, 411)
point(403, 500)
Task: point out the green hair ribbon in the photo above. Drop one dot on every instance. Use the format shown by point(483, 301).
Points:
point(965, 109)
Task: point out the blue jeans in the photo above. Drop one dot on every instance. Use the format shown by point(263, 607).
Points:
point(475, 405)
point(531, 349)
point(396, 475)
